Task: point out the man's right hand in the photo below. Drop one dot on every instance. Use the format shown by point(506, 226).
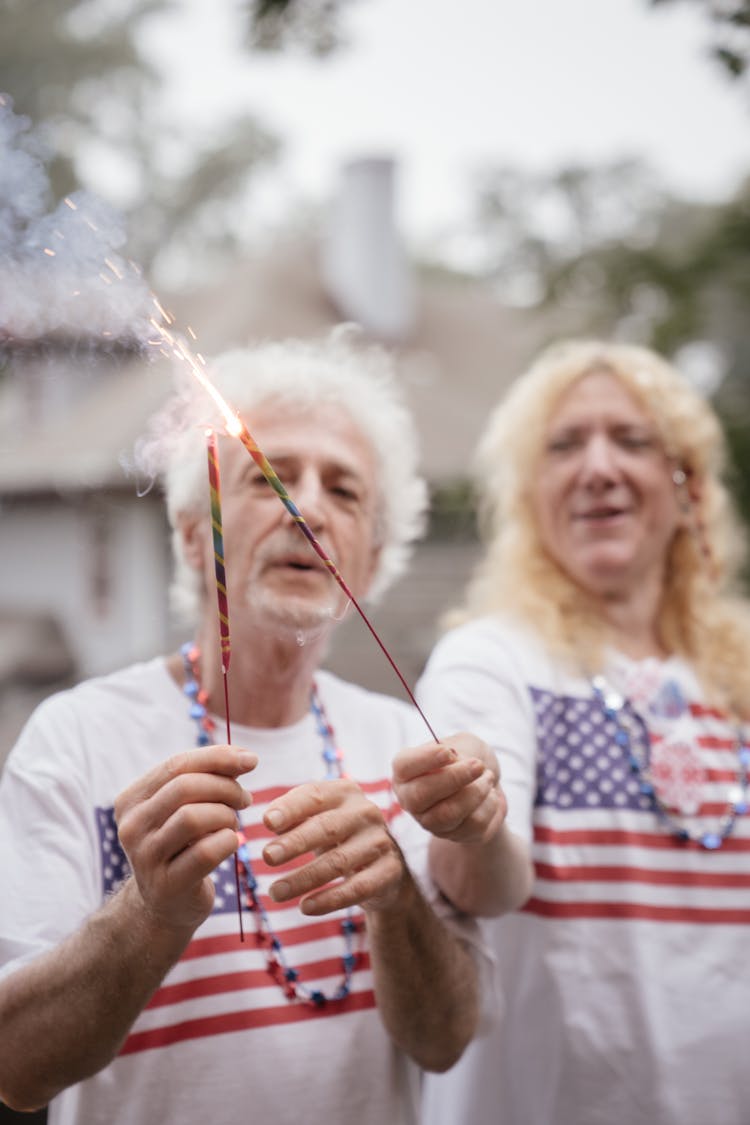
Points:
point(177, 823)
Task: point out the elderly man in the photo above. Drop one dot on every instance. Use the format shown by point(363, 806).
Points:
point(127, 994)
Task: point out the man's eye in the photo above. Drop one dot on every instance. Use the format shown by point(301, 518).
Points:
point(257, 482)
point(345, 493)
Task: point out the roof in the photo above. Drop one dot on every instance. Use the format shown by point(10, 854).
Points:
point(463, 349)
point(83, 446)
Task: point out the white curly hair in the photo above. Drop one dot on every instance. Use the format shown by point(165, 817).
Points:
point(338, 370)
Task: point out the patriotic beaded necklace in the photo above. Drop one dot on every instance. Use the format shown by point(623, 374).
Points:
point(631, 732)
point(277, 965)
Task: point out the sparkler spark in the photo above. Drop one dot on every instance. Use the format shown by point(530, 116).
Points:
point(236, 428)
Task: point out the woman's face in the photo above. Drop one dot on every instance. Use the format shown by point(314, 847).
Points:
point(604, 498)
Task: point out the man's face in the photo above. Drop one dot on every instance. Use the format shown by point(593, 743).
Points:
point(274, 577)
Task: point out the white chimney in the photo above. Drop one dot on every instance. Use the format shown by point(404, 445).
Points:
point(365, 269)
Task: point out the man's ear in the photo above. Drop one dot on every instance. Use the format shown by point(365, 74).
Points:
point(191, 529)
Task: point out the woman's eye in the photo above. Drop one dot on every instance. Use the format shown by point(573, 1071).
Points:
point(636, 441)
point(563, 444)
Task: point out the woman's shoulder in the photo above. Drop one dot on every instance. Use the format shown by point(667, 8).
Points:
point(494, 636)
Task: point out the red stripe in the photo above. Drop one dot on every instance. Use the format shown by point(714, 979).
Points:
point(230, 943)
point(707, 742)
point(702, 710)
point(543, 834)
point(729, 775)
point(715, 742)
point(248, 978)
point(265, 796)
point(206, 1026)
point(622, 874)
point(644, 911)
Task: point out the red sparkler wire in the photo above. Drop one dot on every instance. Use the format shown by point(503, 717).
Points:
point(237, 428)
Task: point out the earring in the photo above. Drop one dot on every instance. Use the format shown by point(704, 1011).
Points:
point(689, 505)
point(679, 477)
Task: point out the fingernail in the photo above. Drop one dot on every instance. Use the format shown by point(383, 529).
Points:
point(274, 818)
point(279, 891)
point(273, 853)
point(247, 798)
point(247, 760)
point(447, 755)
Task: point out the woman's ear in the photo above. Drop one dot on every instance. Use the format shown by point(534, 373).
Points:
point(191, 529)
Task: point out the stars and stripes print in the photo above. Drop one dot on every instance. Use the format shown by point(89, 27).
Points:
point(223, 984)
point(599, 848)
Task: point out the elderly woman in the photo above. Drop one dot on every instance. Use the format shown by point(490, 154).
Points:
point(601, 654)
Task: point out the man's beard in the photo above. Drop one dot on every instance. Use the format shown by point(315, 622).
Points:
point(293, 613)
point(308, 613)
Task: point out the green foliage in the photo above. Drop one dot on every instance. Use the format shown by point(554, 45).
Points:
point(312, 25)
point(79, 70)
point(453, 511)
point(607, 252)
point(730, 24)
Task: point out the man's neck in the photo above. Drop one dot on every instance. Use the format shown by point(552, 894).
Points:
point(269, 680)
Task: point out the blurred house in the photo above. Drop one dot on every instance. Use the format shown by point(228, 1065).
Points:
point(84, 557)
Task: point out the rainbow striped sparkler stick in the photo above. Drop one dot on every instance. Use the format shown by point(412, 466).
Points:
point(217, 532)
point(235, 427)
point(238, 429)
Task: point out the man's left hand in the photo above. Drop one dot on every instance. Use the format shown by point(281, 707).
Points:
point(356, 862)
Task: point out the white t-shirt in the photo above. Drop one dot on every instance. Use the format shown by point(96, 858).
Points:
point(625, 981)
point(219, 1043)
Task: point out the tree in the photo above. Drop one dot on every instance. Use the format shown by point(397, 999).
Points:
point(730, 21)
point(79, 70)
point(606, 251)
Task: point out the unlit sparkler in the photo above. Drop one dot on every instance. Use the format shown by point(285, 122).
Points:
point(217, 533)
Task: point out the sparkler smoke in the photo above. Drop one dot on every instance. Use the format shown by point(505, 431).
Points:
point(62, 271)
point(63, 277)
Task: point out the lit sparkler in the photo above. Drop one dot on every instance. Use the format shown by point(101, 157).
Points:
point(235, 427)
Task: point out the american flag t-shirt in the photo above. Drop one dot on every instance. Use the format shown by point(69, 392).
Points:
point(221, 983)
point(600, 850)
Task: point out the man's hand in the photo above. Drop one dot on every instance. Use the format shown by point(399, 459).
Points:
point(452, 788)
point(356, 862)
point(177, 823)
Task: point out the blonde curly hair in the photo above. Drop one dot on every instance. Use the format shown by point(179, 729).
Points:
point(701, 617)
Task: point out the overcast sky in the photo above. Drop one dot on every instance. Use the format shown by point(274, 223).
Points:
point(448, 86)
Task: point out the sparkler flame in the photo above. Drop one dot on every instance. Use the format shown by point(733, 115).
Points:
point(236, 428)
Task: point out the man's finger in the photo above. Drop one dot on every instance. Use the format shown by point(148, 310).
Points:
point(225, 760)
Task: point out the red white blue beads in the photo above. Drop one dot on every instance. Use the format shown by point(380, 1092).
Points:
point(617, 708)
point(277, 965)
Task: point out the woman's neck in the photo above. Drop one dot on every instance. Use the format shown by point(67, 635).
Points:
point(632, 624)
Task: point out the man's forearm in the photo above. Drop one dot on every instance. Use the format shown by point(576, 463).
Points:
point(483, 879)
point(425, 981)
point(65, 1015)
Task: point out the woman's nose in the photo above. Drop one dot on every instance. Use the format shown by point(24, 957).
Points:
point(599, 459)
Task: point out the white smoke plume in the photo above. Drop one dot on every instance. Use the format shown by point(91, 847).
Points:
point(61, 270)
